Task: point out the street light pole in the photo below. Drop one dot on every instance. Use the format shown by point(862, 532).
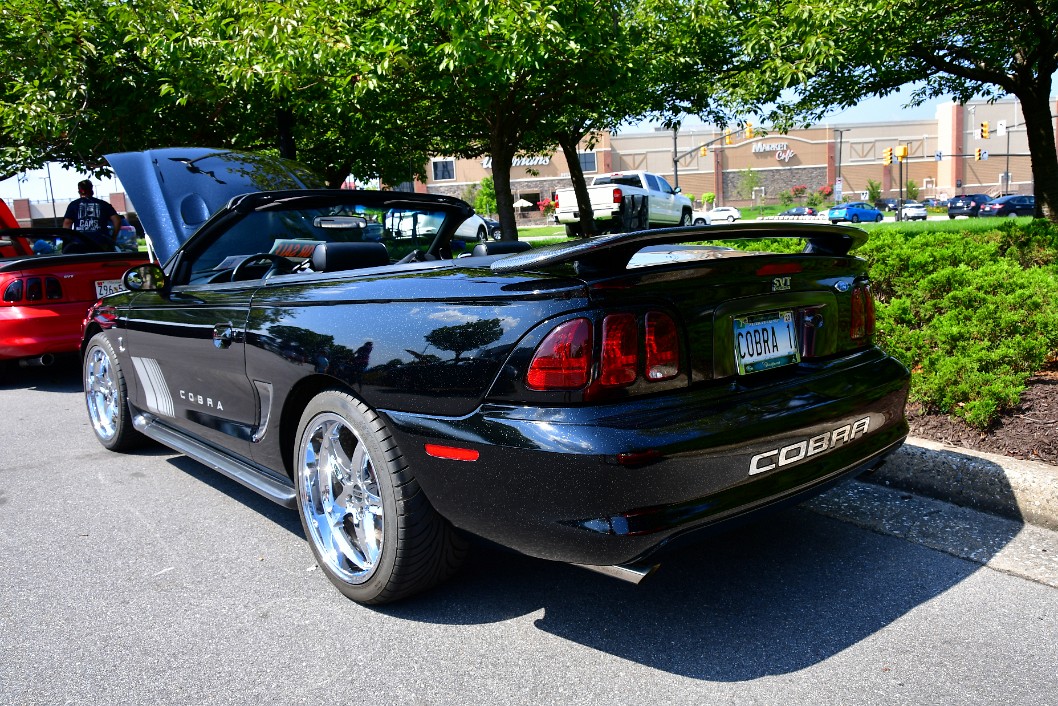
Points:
point(841, 133)
point(51, 190)
point(675, 158)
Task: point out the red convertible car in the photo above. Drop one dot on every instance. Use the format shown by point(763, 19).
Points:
point(49, 277)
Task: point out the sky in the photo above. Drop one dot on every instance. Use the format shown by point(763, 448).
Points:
point(34, 185)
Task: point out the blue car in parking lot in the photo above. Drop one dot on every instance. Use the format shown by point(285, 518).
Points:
point(854, 212)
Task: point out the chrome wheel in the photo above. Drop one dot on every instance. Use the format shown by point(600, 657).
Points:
point(341, 503)
point(101, 394)
point(106, 396)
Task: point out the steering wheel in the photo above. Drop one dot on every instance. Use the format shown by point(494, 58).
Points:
point(279, 264)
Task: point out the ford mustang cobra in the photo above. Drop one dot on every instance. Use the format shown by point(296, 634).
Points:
point(589, 402)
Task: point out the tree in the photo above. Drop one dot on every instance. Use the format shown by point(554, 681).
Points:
point(485, 199)
point(911, 189)
point(833, 53)
point(748, 182)
point(874, 190)
point(301, 78)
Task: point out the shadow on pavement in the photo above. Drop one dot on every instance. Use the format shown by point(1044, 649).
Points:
point(769, 598)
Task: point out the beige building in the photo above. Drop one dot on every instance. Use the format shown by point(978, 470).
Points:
point(941, 159)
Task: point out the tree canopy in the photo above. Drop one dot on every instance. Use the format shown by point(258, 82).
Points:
point(833, 53)
point(374, 88)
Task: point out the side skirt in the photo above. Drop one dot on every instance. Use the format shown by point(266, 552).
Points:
point(243, 473)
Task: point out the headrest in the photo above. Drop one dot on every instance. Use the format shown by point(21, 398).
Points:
point(334, 257)
point(500, 247)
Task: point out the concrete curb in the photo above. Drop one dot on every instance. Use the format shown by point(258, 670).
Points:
point(1020, 490)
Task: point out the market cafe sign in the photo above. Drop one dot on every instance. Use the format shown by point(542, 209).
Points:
point(486, 163)
point(782, 150)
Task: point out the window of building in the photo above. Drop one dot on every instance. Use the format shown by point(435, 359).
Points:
point(587, 162)
point(444, 169)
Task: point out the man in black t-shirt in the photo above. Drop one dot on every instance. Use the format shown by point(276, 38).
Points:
point(94, 218)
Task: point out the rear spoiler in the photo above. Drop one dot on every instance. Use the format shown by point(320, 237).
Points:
point(610, 253)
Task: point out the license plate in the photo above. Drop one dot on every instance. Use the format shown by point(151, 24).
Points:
point(108, 286)
point(764, 342)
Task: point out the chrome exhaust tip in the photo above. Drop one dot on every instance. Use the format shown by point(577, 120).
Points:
point(632, 573)
point(41, 361)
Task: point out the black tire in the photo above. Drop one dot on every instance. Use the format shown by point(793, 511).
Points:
point(878, 218)
point(699, 221)
point(483, 234)
point(404, 546)
point(685, 218)
point(855, 218)
point(951, 217)
point(106, 396)
point(573, 230)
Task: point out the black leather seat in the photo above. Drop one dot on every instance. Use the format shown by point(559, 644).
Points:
point(335, 257)
point(500, 247)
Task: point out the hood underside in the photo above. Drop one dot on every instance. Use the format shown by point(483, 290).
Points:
point(176, 189)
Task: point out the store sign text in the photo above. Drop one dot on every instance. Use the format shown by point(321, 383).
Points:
point(486, 163)
point(782, 150)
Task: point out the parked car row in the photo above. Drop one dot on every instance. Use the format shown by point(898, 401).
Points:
point(720, 214)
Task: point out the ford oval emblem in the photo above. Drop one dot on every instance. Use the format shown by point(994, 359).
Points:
point(842, 286)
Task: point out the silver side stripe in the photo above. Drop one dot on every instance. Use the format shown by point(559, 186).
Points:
point(155, 391)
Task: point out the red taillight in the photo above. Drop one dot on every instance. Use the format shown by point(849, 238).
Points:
point(862, 321)
point(786, 268)
point(618, 195)
point(662, 347)
point(556, 200)
point(620, 350)
point(563, 359)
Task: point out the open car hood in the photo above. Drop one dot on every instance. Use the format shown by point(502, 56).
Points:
point(176, 189)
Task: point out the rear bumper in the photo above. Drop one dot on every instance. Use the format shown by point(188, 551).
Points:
point(551, 482)
point(30, 331)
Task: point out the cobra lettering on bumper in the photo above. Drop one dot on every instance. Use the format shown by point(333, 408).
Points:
point(800, 450)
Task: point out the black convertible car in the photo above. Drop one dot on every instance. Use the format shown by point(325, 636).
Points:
point(589, 402)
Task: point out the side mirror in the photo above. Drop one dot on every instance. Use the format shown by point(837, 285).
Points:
point(144, 278)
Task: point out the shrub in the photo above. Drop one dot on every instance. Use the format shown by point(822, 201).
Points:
point(972, 314)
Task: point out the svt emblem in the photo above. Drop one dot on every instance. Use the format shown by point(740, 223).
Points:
point(780, 284)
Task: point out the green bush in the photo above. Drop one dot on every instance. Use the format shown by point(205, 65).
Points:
point(972, 314)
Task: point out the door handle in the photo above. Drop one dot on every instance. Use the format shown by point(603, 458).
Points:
point(223, 335)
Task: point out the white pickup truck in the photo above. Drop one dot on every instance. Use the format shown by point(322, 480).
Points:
point(617, 201)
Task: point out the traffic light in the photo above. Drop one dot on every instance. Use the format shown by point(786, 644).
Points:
point(703, 151)
point(977, 154)
point(984, 130)
point(749, 130)
point(887, 155)
point(727, 136)
point(901, 152)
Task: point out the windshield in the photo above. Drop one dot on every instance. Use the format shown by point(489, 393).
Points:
point(294, 233)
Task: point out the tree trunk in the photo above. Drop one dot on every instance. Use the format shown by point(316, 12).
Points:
point(502, 158)
point(285, 133)
point(568, 143)
point(1035, 105)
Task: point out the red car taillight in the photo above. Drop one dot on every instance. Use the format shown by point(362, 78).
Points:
point(556, 200)
point(662, 347)
point(564, 360)
point(620, 350)
point(862, 321)
point(618, 195)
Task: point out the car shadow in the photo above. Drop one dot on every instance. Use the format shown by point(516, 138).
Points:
point(281, 516)
point(773, 597)
point(767, 599)
point(64, 375)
